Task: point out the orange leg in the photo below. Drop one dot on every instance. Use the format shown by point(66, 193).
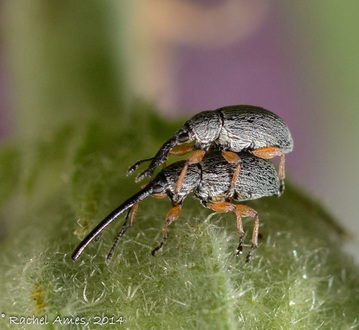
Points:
point(270, 152)
point(172, 215)
point(177, 151)
point(247, 211)
point(282, 167)
point(240, 211)
point(133, 214)
point(267, 152)
point(181, 150)
point(123, 230)
point(233, 158)
point(195, 158)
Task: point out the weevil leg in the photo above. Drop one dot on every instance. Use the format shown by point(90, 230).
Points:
point(267, 152)
point(172, 215)
point(181, 150)
point(247, 211)
point(254, 237)
point(137, 164)
point(195, 158)
point(281, 173)
point(224, 207)
point(240, 211)
point(123, 230)
point(270, 152)
point(232, 158)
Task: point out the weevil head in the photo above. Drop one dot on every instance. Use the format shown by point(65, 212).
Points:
point(165, 182)
point(203, 129)
point(158, 186)
point(184, 135)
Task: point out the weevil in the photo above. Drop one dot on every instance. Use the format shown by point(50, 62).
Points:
point(230, 129)
point(209, 181)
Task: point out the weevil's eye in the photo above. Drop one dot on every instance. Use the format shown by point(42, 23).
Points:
point(157, 188)
point(183, 137)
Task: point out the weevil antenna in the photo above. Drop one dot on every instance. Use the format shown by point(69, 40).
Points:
point(118, 236)
point(137, 164)
point(141, 195)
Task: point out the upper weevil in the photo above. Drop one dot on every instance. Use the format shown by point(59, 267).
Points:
point(230, 129)
point(210, 181)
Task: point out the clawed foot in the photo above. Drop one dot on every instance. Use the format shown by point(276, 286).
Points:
point(159, 246)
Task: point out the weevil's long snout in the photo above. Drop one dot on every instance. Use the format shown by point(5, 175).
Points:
point(142, 194)
point(182, 136)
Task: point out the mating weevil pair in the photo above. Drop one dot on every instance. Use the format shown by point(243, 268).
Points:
point(243, 138)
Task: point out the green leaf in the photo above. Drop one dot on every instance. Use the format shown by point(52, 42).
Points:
point(298, 277)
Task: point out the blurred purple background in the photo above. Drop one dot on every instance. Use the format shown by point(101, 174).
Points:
point(254, 70)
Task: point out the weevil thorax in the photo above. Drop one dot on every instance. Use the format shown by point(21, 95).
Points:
point(216, 178)
point(204, 128)
point(247, 127)
point(168, 178)
point(258, 178)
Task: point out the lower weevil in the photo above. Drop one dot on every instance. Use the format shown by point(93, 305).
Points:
point(209, 180)
point(231, 129)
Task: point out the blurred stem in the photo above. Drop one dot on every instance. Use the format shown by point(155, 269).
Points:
point(63, 62)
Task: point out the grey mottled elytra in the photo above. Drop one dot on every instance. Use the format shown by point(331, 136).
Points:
point(209, 180)
point(230, 129)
